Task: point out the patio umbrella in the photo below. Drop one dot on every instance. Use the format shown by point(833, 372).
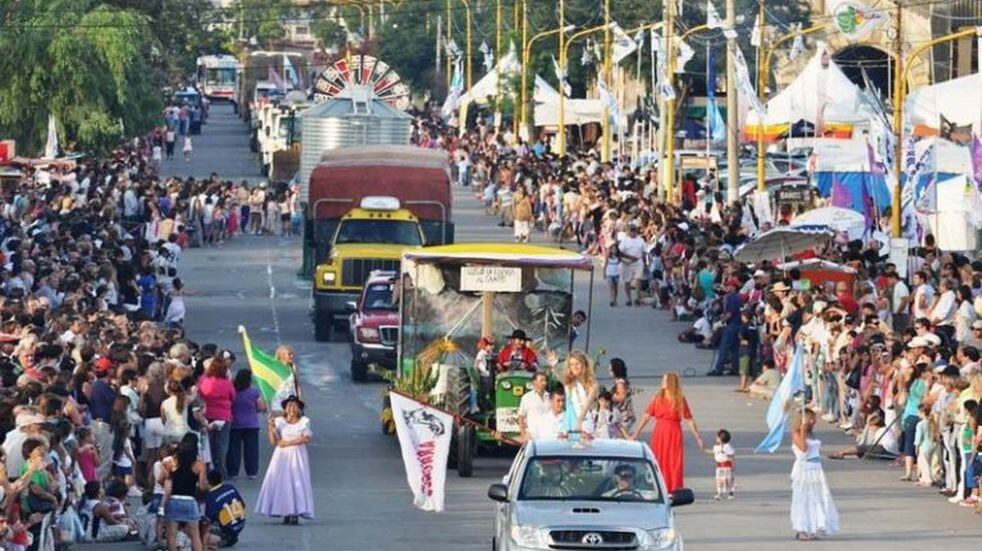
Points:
point(836, 218)
point(816, 264)
point(781, 242)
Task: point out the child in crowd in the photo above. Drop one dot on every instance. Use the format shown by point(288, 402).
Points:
point(608, 425)
point(480, 392)
point(925, 435)
point(122, 450)
point(88, 455)
point(224, 511)
point(701, 330)
point(970, 453)
point(724, 455)
point(766, 383)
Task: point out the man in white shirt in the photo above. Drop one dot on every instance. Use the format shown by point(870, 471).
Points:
point(131, 203)
point(631, 248)
point(534, 404)
point(923, 295)
point(28, 425)
point(552, 425)
point(942, 314)
point(899, 302)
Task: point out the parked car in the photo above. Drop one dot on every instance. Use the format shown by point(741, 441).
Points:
point(604, 494)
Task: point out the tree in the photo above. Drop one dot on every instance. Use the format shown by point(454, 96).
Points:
point(263, 19)
point(90, 66)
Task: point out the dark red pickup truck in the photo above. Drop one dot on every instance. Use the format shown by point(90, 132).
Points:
point(374, 325)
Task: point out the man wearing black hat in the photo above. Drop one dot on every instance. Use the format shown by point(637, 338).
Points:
point(516, 355)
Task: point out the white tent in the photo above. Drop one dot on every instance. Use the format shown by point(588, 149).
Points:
point(488, 85)
point(575, 111)
point(952, 158)
point(821, 92)
point(958, 99)
point(957, 223)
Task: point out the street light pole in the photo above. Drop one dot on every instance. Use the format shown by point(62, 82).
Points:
point(563, 56)
point(764, 77)
point(901, 70)
point(470, 57)
point(732, 123)
point(669, 134)
point(605, 122)
point(497, 55)
point(526, 53)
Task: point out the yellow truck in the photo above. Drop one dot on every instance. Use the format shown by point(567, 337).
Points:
point(367, 205)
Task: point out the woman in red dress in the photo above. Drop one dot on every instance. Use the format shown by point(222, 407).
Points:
point(668, 408)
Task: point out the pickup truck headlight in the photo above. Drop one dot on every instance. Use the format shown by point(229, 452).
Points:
point(329, 278)
point(529, 536)
point(661, 538)
point(368, 334)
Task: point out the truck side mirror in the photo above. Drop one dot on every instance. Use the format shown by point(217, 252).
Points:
point(351, 306)
point(498, 492)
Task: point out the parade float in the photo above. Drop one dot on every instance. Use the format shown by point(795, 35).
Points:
point(451, 297)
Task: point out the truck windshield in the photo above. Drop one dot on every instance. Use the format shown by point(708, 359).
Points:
point(379, 297)
point(590, 478)
point(386, 232)
point(220, 77)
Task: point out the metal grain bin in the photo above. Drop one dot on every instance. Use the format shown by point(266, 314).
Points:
point(357, 119)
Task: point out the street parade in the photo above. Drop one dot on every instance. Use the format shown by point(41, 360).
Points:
point(451, 274)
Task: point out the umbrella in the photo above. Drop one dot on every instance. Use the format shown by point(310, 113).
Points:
point(782, 241)
point(816, 264)
point(836, 218)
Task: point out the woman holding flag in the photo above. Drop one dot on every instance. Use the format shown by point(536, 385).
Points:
point(813, 511)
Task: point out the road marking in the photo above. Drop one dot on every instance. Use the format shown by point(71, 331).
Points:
point(272, 297)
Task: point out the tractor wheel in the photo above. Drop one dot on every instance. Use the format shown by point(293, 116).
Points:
point(466, 448)
point(388, 423)
point(454, 455)
point(359, 371)
point(322, 326)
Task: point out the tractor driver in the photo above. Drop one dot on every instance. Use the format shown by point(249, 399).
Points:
point(517, 355)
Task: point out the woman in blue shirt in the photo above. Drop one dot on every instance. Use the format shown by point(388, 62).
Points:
point(916, 389)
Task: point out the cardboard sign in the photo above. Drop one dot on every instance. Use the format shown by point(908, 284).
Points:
point(497, 279)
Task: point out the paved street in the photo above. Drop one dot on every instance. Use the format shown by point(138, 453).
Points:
point(363, 502)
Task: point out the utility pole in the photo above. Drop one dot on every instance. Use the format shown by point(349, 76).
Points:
point(497, 58)
point(561, 130)
point(732, 124)
point(607, 127)
point(899, 83)
point(449, 24)
point(668, 106)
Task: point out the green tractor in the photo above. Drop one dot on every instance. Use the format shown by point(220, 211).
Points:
point(451, 297)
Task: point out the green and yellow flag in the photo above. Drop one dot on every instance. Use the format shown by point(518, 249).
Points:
point(273, 378)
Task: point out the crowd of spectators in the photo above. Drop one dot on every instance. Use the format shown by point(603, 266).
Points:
point(891, 352)
point(102, 395)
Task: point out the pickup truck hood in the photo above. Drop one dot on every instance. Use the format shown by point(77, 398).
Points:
point(600, 515)
point(378, 318)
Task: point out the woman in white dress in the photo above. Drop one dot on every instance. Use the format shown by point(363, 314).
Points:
point(581, 390)
point(813, 511)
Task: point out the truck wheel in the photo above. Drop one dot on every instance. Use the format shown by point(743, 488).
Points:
point(466, 447)
point(322, 327)
point(359, 371)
